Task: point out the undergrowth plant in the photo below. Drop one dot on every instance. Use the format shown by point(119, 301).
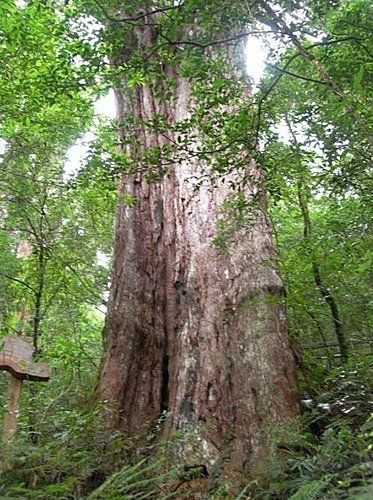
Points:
point(331, 455)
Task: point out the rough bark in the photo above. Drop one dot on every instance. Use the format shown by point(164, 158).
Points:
point(191, 330)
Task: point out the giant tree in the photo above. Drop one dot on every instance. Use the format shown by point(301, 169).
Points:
point(195, 325)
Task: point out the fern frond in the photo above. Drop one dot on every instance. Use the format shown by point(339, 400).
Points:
point(311, 491)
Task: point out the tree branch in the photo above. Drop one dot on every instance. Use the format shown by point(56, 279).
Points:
point(280, 25)
point(305, 78)
point(266, 94)
point(131, 20)
point(11, 278)
point(222, 41)
point(203, 46)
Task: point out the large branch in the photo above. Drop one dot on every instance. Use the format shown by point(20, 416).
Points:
point(221, 41)
point(205, 45)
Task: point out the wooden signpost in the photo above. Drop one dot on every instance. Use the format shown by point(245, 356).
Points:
point(16, 358)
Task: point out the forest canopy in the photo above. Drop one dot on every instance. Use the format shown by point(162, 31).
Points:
point(291, 154)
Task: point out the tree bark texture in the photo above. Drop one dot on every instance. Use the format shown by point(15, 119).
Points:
point(191, 330)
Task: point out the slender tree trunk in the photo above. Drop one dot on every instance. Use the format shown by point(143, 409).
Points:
point(322, 336)
point(191, 330)
point(324, 291)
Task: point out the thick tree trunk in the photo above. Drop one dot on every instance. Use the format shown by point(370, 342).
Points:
point(192, 330)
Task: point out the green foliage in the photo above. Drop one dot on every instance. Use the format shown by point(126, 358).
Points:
point(311, 490)
point(56, 60)
point(51, 234)
point(69, 456)
point(133, 482)
point(52, 230)
point(331, 455)
point(341, 246)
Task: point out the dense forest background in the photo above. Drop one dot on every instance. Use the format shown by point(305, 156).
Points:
point(308, 125)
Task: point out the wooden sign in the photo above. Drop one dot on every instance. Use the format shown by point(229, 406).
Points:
point(16, 358)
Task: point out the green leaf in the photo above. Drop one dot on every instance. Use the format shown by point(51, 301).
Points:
point(358, 78)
